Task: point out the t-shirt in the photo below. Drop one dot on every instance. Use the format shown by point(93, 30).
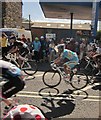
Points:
point(3, 42)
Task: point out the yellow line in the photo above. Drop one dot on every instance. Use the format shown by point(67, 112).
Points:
point(43, 93)
point(25, 93)
point(39, 75)
point(86, 88)
point(57, 98)
point(94, 100)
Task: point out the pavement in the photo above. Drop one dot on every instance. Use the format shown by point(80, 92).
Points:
point(56, 103)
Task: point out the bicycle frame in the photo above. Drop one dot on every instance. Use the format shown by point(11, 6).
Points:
point(89, 62)
point(55, 67)
point(13, 57)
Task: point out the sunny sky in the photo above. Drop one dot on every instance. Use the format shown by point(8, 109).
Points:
point(36, 13)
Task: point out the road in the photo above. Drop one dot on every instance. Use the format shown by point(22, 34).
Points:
point(85, 105)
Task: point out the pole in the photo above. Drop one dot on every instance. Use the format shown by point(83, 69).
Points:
point(29, 23)
point(95, 16)
point(71, 24)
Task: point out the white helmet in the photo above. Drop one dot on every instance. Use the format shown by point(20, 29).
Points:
point(61, 46)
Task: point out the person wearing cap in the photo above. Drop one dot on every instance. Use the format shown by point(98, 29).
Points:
point(43, 48)
point(36, 48)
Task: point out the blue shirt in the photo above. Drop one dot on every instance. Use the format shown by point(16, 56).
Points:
point(36, 45)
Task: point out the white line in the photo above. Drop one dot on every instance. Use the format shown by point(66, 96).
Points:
point(86, 88)
point(58, 98)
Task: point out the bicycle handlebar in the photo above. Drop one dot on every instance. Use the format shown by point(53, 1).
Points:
point(54, 66)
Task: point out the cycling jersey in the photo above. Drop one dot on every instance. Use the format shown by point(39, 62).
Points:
point(70, 55)
point(14, 82)
point(9, 68)
point(25, 112)
point(22, 47)
point(72, 58)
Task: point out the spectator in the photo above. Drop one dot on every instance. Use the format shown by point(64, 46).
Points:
point(71, 44)
point(36, 47)
point(62, 41)
point(3, 44)
point(43, 48)
point(99, 48)
point(77, 48)
point(29, 43)
point(82, 49)
point(23, 38)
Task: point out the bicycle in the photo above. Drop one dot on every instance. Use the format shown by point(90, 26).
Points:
point(90, 69)
point(29, 67)
point(52, 78)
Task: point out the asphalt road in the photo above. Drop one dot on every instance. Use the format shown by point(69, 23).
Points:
point(85, 105)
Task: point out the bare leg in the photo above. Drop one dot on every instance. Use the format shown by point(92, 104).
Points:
point(7, 102)
point(67, 69)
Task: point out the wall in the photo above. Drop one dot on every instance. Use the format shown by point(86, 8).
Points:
point(12, 14)
point(60, 33)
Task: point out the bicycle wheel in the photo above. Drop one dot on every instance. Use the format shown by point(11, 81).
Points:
point(79, 80)
point(51, 78)
point(30, 68)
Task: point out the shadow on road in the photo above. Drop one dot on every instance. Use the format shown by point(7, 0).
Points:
point(97, 87)
point(97, 80)
point(63, 109)
point(43, 66)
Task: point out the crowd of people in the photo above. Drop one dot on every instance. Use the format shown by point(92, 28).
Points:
point(68, 51)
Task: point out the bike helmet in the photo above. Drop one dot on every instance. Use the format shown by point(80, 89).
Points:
point(61, 47)
point(25, 112)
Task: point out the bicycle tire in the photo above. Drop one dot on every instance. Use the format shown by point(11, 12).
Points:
point(79, 80)
point(49, 81)
point(32, 68)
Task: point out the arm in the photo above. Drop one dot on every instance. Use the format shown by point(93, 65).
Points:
point(13, 50)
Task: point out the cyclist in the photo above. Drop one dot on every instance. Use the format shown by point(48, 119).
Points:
point(67, 57)
point(97, 59)
point(15, 82)
point(18, 47)
point(25, 112)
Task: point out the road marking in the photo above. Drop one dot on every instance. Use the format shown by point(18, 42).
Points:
point(31, 77)
point(43, 93)
point(58, 98)
point(36, 95)
point(39, 75)
point(28, 92)
point(87, 88)
point(75, 92)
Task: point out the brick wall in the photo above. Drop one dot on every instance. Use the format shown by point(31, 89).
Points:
point(12, 14)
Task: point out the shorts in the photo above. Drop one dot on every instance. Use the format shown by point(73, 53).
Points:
point(71, 63)
point(23, 52)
